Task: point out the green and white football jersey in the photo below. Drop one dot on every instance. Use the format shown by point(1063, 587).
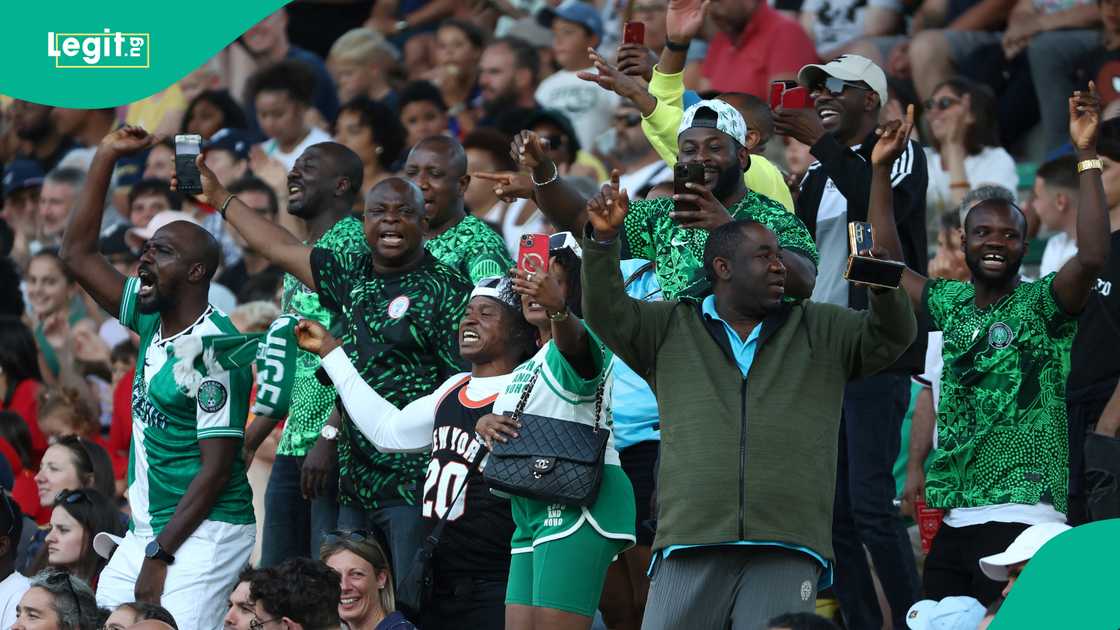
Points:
point(167, 423)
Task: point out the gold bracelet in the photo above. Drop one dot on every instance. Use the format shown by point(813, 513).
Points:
point(1085, 165)
point(225, 205)
point(558, 316)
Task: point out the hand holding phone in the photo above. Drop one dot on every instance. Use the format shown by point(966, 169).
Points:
point(863, 267)
point(187, 148)
point(777, 89)
point(532, 255)
point(634, 33)
point(692, 172)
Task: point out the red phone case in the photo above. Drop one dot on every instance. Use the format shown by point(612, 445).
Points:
point(533, 247)
point(796, 98)
point(634, 33)
point(776, 90)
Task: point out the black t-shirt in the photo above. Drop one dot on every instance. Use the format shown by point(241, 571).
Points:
point(1095, 359)
point(476, 539)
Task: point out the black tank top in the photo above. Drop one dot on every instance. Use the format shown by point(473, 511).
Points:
point(476, 540)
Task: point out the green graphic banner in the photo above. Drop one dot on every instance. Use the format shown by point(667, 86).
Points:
point(74, 53)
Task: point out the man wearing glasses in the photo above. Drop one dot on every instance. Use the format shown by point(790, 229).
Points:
point(848, 94)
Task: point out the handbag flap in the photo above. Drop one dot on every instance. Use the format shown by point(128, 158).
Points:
point(552, 438)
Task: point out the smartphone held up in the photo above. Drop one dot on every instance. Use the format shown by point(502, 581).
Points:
point(187, 148)
point(532, 254)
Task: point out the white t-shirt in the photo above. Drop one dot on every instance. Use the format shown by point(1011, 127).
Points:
point(645, 177)
point(588, 107)
point(1004, 513)
point(511, 231)
point(838, 22)
point(992, 165)
point(11, 590)
point(1059, 249)
point(272, 148)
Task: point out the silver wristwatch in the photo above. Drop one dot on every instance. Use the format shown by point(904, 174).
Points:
point(329, 433)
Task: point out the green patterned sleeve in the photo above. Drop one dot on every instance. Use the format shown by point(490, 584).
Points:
point(637, 231)
point(938, 298)
point(334, 273)
point(1046, 303)
point(791, 232)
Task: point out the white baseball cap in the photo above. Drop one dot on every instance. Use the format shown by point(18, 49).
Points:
point(951, 613)
point(138, 235)
point(728, 119)
point(1021, 549)
point(104, 544)
point(847, 68)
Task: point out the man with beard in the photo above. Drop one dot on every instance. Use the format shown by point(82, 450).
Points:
point(672, 231)
point(849, 94)
point(39, 138)
point(192, 515)
point(748, 467)
point(301, 503)
point(1001, 461)
point(438, 166)
point(396, 309)
point(508, 76)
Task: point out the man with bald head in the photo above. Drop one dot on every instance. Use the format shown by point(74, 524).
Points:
point(397, 310)
point(438, 165)
point(192, 516)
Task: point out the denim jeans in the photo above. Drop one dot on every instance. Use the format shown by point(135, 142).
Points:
point(864, 514)
point(399, 528)
point(294, 526)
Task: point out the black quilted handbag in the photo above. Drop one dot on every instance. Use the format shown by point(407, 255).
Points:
point(551, 460)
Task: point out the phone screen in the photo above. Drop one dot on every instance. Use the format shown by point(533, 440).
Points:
point(187, 148)
point(188, 144)
point(879, 273)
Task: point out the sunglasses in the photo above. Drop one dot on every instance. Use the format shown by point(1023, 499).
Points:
point(564, 241)
point(630, 119)
point(70, 497)
point(350, 535)
point(835, 86)
point(941, 104)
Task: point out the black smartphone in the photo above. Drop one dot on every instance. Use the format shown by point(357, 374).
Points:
point(684, 173)
point(860, 237)
point(886, 274)
point(187, 148)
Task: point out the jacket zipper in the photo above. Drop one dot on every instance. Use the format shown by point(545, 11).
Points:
point(743, 461)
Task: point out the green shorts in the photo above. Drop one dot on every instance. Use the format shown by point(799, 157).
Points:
point(561, 552)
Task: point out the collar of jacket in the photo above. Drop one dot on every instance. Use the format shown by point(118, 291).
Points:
point(770, 324)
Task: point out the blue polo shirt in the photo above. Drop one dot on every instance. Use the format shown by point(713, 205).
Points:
point(743, 350)
point(633, 405)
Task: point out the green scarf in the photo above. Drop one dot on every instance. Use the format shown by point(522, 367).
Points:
point(274, 353)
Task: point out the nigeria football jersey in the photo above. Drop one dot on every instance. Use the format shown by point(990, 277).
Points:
point(650, 233)
point(312, 402)
point(167, 423)
point(472, 248)
point(1001, 421)
point(400, 331)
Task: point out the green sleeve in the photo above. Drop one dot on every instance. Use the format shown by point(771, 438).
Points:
point(129, 315)
point(937, 297)
point(566, 375)
point(638, 230)
point(791, 232)
point(334, 273)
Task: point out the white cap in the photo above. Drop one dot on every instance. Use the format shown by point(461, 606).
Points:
point(951, 613)
point(137, 235)
point(728, 119)
point(105, 544)
point(848, 68)
point(1021, 549)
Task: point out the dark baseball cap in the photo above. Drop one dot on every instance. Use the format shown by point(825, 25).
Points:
point(20, 174)
point(560, 120)
point(236, 141)
point(113, 243)
point(577, 11)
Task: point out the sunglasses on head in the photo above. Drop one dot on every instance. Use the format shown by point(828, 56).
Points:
point(941, 104)
point(629, 119)
point(70, 497)
point(348, 535)
point(564, 240)
point(835, 86)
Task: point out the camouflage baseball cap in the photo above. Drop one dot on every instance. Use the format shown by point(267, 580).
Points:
point(715, 114)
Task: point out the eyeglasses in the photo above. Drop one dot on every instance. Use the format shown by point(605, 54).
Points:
point(941, 104)
point(351, 535)
point(629, 119)
point(836, 86)
point(257, 624)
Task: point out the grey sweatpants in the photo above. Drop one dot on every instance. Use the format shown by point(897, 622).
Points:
point(737, 587)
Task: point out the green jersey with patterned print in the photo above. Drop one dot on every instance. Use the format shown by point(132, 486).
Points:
point(472, 248)
point(1001, 422)
point(168, 423)
point(312, 402)
point(401, 333)
point(650, 233)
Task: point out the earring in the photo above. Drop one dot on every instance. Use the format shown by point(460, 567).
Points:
point(378, 150)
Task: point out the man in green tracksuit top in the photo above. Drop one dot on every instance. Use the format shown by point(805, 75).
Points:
point(749, 391)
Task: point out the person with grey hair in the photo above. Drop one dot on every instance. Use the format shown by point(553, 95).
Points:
point(57, 601)
point(981, 194)
point(57, 198)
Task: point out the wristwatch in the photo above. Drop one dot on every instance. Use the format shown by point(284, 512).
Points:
point(154, 551)
point(329, 433)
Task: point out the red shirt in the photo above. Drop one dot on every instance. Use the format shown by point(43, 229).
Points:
point(770, 45)
point(25, 402)
point(120, 429)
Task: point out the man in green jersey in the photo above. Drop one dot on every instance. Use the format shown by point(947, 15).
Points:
point(398, 311)
point(300, 501)
point(438, 165)
point(192, 515)
point(672, 231)
point(1001, 461)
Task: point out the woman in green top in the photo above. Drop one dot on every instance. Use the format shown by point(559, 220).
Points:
point(51, 291)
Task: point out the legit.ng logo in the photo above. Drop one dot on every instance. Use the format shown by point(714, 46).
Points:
point(103, 50)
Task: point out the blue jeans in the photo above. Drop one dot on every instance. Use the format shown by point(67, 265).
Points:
point(294, 526)
point(399, 528)
point(864, 514)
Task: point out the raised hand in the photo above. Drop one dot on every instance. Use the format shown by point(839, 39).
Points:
point(127, 140)
point(708, 214)
point(607, 210)
point(684, 19)
point(314, 338)
point(608, 77)
point(1085, 118)
point(894, 135)
point(530, 151)
point(540, 286)
point(637, 61)
point(212, 190)
point(508, 185)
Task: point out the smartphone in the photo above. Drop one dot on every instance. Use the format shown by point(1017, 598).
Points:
point(187, 148)
point(634, 33)
point(860, 238)
point(777, 88)
point(534, 250)
point(885, 274)
point(796, 98)
point(692, 172)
